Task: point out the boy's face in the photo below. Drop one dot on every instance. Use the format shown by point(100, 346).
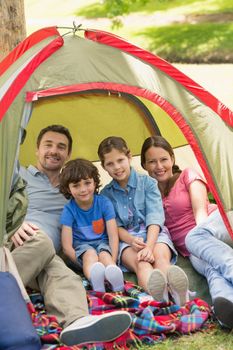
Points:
point(83, 192)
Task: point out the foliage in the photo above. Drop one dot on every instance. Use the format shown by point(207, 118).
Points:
point(118, 8)
point(113, 9)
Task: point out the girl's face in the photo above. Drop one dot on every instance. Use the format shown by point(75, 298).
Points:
point(117, 164)
point(83, 192)
point(159, 164)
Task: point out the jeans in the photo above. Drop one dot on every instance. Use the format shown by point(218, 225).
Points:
point(211, 251)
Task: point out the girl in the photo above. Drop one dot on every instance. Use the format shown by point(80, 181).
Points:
point(145, 246)
point(89, 231)
point(195, 225)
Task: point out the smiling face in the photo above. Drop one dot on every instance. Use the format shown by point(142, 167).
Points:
point(158, 163)
point(83, 192)
point(52, 152)
point(117, 164)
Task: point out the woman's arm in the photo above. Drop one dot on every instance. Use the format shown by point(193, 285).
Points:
point(113, 237)
point(198, 197)
point(67, 242)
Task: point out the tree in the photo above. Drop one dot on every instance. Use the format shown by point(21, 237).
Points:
point(117, 8)
point(12, 25)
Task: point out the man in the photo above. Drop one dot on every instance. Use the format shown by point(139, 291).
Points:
point(35, 256)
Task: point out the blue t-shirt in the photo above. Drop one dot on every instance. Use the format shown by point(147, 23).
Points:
point(88, 225)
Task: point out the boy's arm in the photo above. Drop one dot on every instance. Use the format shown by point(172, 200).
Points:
point(113, 237)
point(67, 242)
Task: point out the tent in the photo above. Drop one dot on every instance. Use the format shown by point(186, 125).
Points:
point(98, 84)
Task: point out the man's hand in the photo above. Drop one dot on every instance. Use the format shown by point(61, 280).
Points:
point(26, 231)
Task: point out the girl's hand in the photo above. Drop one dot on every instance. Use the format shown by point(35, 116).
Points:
point(146, 255)
point(138, 244)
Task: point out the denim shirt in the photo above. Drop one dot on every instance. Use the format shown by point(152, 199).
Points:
point(137, 205)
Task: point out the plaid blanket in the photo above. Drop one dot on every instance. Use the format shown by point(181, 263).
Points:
point(152, 321)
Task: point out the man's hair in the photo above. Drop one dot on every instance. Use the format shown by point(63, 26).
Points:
point(76, 170)
point(56, 128)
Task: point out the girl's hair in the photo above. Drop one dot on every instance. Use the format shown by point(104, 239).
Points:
point(161, 142)
point(75, 171)
point(110, 143)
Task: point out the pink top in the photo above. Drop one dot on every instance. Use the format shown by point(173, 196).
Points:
point(178, 209)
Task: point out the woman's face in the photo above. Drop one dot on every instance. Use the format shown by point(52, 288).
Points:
point(158, 163)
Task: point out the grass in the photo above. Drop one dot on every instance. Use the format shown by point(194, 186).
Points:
point(203, 34)
point(98, 10)
point(214, 339)
point(200, 43)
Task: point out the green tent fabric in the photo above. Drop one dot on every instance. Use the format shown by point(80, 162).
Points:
point(98, 84)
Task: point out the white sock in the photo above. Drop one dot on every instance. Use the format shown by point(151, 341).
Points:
point(114, 276)
point(97, 277)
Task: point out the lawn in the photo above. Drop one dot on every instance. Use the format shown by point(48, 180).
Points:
point(214, 339)
point(189, 31)
point(180, 31)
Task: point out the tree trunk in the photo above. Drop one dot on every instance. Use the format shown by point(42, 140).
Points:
point(12, 25)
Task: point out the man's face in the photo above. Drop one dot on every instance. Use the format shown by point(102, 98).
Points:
point(52, 152)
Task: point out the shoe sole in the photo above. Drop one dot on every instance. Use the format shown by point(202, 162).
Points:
point(178, 283)
point(157, 285)
point(223, 310)
point(107, 328)
point(115, 277)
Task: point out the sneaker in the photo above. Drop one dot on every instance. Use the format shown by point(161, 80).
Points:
point(157, 286)
point(97, 277)
point(178, 285)
point(93, 329)
point(223, 310)
point(114, 276)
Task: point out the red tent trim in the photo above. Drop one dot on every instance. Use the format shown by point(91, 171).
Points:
point(112, 40)
point(25, 74)
point(25, 45)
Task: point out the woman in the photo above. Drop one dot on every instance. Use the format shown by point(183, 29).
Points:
point(195, 225)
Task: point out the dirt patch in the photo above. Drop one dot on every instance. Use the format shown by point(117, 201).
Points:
point(214, 18)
